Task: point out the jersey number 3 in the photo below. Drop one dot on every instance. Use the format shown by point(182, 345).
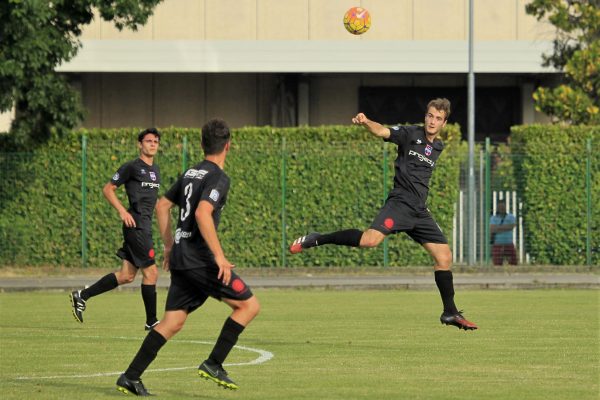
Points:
point(188, 193)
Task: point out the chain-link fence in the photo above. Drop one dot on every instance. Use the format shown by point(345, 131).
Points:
point(556, 216)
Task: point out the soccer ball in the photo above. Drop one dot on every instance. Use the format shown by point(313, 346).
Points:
point(357, 20)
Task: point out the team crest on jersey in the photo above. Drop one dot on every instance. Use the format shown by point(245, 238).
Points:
point(153, 175)
point(214, 195)
point(428, 149)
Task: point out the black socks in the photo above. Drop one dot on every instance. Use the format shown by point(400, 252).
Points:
point(443, 280)
point(149, 297)
point(348, 237)
point(104, 284)
point(227, 339)
point(146, 354)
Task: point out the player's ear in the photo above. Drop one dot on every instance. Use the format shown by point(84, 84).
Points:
point(227, 146)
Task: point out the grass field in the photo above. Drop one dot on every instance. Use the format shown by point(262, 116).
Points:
point(541, 344)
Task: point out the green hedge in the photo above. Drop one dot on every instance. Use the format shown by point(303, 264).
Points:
point(334, 180)
point(551, 165)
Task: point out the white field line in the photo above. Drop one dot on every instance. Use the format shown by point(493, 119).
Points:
point(263, 356)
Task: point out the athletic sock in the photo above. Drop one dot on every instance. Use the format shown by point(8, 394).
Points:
point(145, 355)
point(104, 284)
point(348, 237)
point(443, 280)
point(227, 339)
point(149, 297)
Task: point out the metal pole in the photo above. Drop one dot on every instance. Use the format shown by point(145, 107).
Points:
point(386, 254)
point(83, 201)
point(283, 216)
point(588, 185)
point(488, 200)
point(184, 155)
point(471, 136)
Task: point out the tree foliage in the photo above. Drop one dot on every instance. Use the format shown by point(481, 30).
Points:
point(577, 53)
point(36, 36)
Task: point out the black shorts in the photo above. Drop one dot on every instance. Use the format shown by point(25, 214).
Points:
point(397, 216)
point(138, 247)
point(190, 288)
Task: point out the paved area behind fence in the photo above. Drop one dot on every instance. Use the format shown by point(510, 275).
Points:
point(398, 281)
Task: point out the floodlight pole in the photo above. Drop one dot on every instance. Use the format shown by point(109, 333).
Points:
point(471, 137)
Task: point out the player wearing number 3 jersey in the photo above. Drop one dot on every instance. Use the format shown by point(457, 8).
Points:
point(199, 268)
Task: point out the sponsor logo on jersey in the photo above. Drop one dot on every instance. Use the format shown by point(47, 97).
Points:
point(421, 157)
point(116, 176)
point(428, 149)
point(179, 234)
point(151, 185)
point(418, 141)
point(153, 175)
point(195, 173)
point(214, 195)
point(143, 171)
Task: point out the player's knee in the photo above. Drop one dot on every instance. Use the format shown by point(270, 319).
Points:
point(370, 241)
point(444, 260)
point(151, 274)
point(252, 306)
point(124, 278)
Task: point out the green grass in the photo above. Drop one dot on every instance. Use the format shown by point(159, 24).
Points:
point(541, 344)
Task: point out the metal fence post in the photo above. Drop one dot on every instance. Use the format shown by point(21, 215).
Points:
point(588, 185)
point(83, 201)
point(386, 255)
point(488, 201)
point(283, 193)
point(184, 154)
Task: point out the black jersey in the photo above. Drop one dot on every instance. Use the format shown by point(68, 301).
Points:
point(142, 182)
point(414, 164)
point(203, 182)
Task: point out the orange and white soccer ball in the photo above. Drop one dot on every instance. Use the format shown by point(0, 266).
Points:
point(357, 20)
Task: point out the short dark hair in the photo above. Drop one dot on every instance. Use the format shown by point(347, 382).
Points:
point(440, 104)
point(147, 131)
point(215, 135)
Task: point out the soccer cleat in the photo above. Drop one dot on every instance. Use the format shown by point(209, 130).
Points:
point(216, 373)
point(127, 386)
point(457, 320)
point(149, 327)
point(304, 242)
point(78, 305)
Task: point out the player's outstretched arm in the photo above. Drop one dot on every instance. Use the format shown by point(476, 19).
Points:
point(374, 127)
point(209, 233)
point(109, 192)
point(163, 216)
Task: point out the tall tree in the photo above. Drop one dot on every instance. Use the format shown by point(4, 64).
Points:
point(577, 53)
point(36, 36)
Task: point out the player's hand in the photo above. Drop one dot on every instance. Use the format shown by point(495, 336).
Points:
point(224, 269)
point(127, 219)
point(360, 119)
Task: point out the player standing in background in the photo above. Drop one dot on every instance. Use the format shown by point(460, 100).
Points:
point(141, 178)
point(198, 265)
point(405, 209)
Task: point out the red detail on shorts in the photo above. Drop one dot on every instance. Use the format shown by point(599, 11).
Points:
point(238, 285)
point(151, 253)
point(388, 223)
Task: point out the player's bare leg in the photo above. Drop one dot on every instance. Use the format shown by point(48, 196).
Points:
point(443, 278)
